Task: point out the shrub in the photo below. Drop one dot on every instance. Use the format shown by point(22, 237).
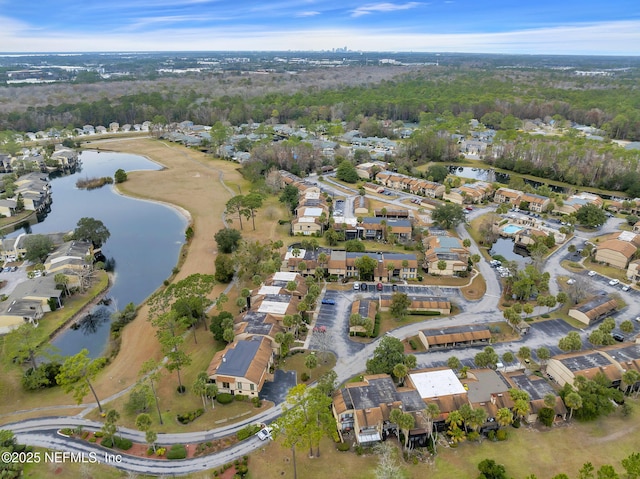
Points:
point(343, 446)
point(98, 434)
point(491, 435)
point(224, 398)
point(413, 343)
point(107, 442)
point(257, 402)
point(190, 416)
point(545, 315)
point(242, 470)
point(149, 451)
point(160, 451)
point(67, 431)
point(122, 443)
point(92, 439)
point(501, 435)
point(516, 423)
point(304, 377)
point(247, 431)
point(240, 397)
point(177, 451)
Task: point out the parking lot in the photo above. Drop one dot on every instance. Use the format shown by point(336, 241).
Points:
point(12, 278)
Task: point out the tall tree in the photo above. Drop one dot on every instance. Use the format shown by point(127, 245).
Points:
point(93, 230)
point(447, 215)
point(251, 203)
point(235, 207)
point(289, 197)
point(151, 372)
point(228, 240)
point(399, 307)
point(38, 248)
point(76, 374)
point(143, 423)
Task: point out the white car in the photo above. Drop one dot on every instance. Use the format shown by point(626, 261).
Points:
point(614, 282)
point(592, 273)
point(264, 433)
point(626, 287)
point(571, 281)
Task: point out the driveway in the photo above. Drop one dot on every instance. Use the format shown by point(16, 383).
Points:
point(276, 390)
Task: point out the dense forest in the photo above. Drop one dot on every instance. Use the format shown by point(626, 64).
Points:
point(376, 100)
point(609, 103)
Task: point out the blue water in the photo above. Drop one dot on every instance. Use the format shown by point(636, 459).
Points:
point(511, 229)
point(145, 240)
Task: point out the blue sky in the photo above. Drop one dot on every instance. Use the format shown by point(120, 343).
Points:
point(493, 26)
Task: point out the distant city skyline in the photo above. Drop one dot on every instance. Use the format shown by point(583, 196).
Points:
point(582, 27)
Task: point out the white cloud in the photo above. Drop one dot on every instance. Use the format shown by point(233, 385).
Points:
point(382, 7)
point(607, 38)
point(308, 14)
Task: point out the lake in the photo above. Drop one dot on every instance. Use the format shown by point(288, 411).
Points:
point(506, 247)
point(145, 240)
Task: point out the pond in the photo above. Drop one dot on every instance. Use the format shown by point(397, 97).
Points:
point(145, 241)
point(506, 248)
point(492, 176)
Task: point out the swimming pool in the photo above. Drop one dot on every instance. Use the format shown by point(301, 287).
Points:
point(511, 229)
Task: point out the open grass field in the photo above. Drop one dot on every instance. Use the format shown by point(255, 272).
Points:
point(543, 452)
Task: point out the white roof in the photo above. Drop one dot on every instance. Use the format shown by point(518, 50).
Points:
point(432, 384)
point(627, 236)
point(286, 275)
point(309, 211)
point(306, 219)
point(289, 255)
point(312, 195)
point(273, 307)
point(269, 290)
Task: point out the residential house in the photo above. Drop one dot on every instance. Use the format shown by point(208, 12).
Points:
point(536, 203)
point(508, 195)
point(306, 226)
point(391, 213)
point(565, 367)
point(311, 259)
point(389, 265)
point(69, 257)
point(242, 367)
point(457, 337)
point(7, 208)
point(379, 228)
point(364, 407)
point(469, 193)
point(366, 308)
point(618, 249)
point(367, 170)
point(420, 304)
point(593, 309)
point(574, 202)
point(448, 249)
point(360, 206)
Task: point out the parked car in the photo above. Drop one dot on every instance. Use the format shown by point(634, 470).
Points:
point(356, 286)
point(618, 337)
point(626, 287)
point(571, 281)
point(330, 301)
point(592, 273)
point(14, 268)
point(265, 433)
point(614, 282)
point(363, 287)
point(379, 287)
